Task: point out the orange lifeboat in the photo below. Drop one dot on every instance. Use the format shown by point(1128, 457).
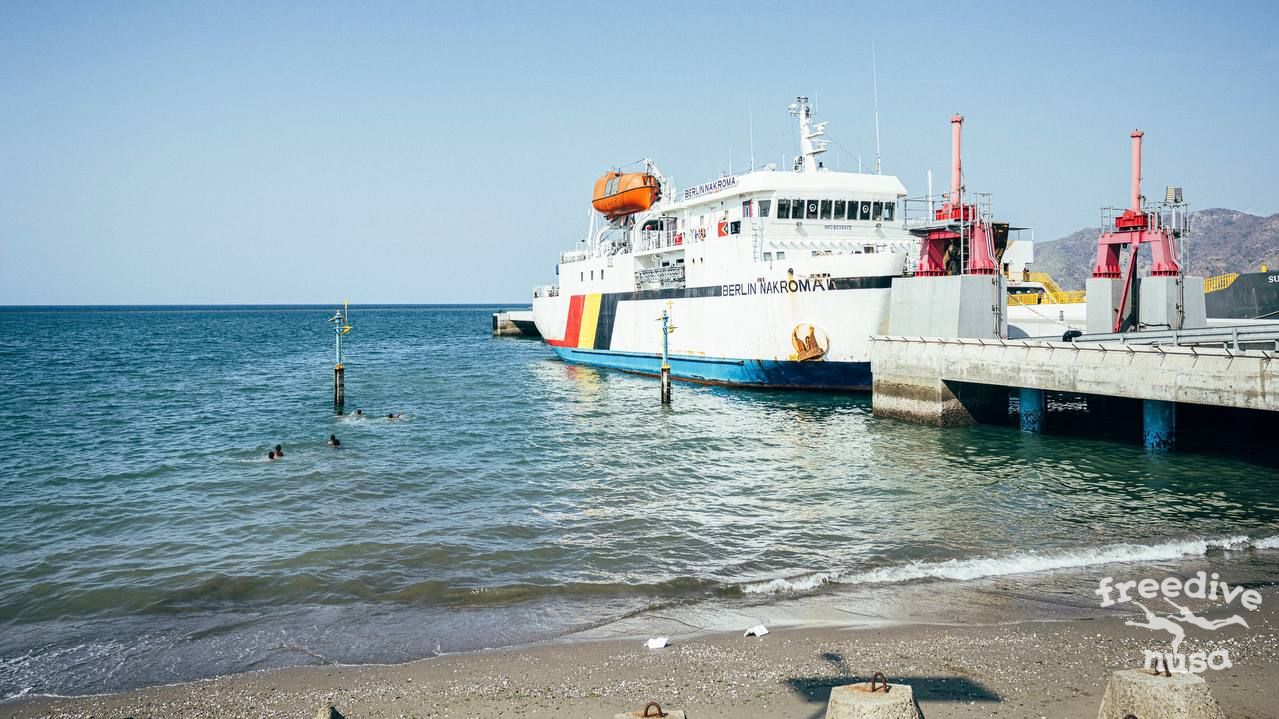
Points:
point(618, 194)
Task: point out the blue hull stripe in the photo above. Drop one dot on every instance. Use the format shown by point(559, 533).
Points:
point(728, 371)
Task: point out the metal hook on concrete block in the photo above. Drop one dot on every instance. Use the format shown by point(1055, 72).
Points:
point(653, 705)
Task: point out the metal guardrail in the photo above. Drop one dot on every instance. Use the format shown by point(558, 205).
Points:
point(1220, 282)
point(1253, 336)
point(1082, 344)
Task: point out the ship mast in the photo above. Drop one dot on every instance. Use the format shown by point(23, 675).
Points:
point(810, 143)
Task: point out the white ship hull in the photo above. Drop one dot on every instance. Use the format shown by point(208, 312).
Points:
point(759, 332)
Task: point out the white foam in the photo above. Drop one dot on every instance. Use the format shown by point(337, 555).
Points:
point(1018, 563)
point(1267, 543)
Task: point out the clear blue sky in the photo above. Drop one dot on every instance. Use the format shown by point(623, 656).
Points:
point(397, 152)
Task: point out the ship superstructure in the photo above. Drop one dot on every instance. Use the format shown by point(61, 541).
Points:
point(772, 277)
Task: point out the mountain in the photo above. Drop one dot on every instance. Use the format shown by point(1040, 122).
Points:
point(1220, 241)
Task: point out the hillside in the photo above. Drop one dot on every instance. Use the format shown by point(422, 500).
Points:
point(1220, 241)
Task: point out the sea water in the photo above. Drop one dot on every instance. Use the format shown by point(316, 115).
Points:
point(148, 539)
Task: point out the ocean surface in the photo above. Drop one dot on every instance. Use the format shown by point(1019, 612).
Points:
point(147, 539)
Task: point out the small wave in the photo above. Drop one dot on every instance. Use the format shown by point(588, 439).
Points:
point(1267, 543)
point(1019, 563)
point(303, 588)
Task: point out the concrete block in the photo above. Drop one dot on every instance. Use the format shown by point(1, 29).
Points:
point(1159, 306)
point(1103, 302)
point(857, 701)
point(1142, 693)
point(951, 306)
point(1195, 306)
point(652, 710)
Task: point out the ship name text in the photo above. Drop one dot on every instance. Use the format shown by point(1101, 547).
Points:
point(706, 188)
point(769, 287)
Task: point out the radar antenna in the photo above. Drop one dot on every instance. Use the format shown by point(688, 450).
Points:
point(811, 143)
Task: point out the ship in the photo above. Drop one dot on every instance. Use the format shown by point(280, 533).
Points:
point(768, 278)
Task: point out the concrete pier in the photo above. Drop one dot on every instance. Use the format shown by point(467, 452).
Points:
point(1158, 424)
point(514, 323)
point(958, 381)
point(1032, 410)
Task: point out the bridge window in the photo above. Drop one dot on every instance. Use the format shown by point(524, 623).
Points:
point(865, 214)
point(810, 209)
point(840, 209)
point(852, 209)
point(826, 209)
point(768, 257)
point(890, 209)
point(877, 211)
point(781, 255)
point(783, 210)
point(763, 207)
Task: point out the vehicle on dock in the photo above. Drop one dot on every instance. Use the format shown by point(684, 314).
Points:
point(772, 278)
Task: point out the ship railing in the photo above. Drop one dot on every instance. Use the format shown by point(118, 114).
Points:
point(546, 291)
point(658, 239)
point(1217, 283)
point(1056, 294)
point(658, 278)
point(573, 256)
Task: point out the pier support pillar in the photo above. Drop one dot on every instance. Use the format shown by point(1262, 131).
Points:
point(1159, 424)
point(1032, 410)
point(339, 386)
point(666, 385)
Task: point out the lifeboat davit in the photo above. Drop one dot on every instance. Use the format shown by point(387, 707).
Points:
point(619, 194)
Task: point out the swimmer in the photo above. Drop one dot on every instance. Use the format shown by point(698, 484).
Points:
point(395, 416)
point(359, 413)
point(334, 441)
point(279, 452)
point(270, 455)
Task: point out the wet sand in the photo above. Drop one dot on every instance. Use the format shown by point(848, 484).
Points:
point(1023, 669)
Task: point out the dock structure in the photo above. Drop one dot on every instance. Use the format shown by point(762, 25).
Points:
point(966, 380)
point(946, 359)
point(514, 323)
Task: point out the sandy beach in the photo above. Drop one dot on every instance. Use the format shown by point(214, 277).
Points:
point(1022, 669)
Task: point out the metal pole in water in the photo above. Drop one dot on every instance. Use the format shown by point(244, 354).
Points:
point(666, 367)
point(340, 327)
